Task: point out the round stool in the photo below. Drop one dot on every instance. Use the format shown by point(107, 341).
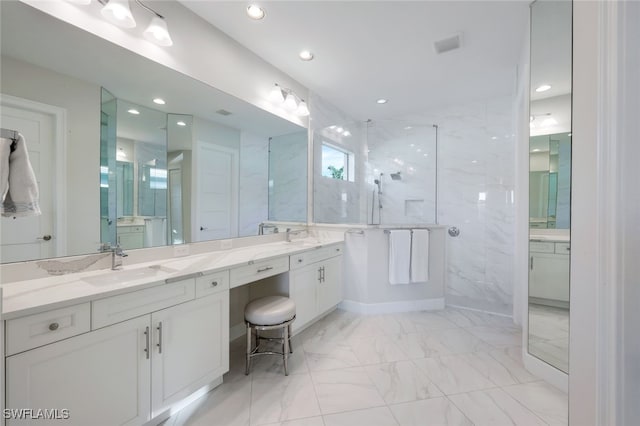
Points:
point(269, 313)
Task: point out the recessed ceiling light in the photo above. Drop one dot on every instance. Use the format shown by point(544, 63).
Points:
point(381, 101)
point(305, 55)
point(133, 111)
point(543, 88)
point(159, 101)
point(255, 12)
point(181, 123)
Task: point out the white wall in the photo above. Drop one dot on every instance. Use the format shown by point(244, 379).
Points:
point(82, 102)
point(200, 50)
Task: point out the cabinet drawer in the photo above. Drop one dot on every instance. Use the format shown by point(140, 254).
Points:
point(119, 308)
point(258, 270)
point(563, 248)
point(130, 229)
point(47, 327)
point(312, 256)
point(541, 247)
point(212, 283)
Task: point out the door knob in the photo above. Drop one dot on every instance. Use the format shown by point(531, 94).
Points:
point(44, 237)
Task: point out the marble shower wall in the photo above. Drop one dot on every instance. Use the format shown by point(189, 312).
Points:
point(288, 177)
point(476, 183)
point(337, 201)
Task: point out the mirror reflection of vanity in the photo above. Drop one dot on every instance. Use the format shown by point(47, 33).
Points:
point(131, 169)
point(550, 182)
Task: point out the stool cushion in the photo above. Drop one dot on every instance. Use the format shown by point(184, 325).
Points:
point(271, 310)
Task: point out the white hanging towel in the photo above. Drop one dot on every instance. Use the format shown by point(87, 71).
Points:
point(420, 256)
point(19, 185)
point(399, 256)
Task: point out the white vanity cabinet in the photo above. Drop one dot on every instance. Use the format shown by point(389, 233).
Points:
point(315, 283)
point(101, 377)
point(142, 355)
point(549, 272)
point(190, 348)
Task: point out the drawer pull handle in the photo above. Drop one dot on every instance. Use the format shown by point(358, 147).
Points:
point(567, 248)
point(54, 326)
point(214, 283)
point(299, 260)
point(267, 268)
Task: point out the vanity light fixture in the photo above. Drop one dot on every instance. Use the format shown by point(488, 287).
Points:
point(82, 2)
point(159, 101)
point(543, 88)
point(346, 133)
point(288, 99)
point(133, 111)
point(339, 130)
point(118, 13)
point(305, 55)
point(381, 101)
point(255, 12)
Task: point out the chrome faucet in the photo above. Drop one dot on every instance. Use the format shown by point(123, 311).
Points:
point(295, 232)
point(116, 257)
point(263, 226)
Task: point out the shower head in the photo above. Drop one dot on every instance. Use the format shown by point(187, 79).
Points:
point(396, 176)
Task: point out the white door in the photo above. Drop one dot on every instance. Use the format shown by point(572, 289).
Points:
point(549, 276)
point(33, 237)
point(101, 377)
point(190, 348)
point(217, 189)
point(330, 288)
point(303, 289)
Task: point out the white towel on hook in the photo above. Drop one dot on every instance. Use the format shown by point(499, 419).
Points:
point(399, 256)
point(420, 256)
point(19, 185)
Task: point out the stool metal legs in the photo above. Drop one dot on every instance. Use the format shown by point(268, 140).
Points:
point(285, 339)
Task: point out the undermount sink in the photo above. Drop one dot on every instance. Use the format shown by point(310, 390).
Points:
point(113, 277)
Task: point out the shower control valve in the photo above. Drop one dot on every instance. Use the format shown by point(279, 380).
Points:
point(453, 231)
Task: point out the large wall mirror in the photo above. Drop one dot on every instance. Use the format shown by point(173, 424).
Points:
point(115, 167)
point(550, 182)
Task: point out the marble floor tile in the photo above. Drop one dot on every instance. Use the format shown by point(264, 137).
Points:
point(421, 345)
point(269, 365)
point(453, 374)
point(344, 390)
point(380, 416)
point(497, 336)
point(491, 368)
point(468, 318)
point(329, 355)
point(511, 358)
point(226, 405)
point(401, 381)
point(377, 350)
point(416, 322)
point(494, 407)
point(429, 412)
point(276, 399)
point(547, 402)
point(308, 421)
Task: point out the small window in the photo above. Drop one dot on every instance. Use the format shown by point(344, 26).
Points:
point(337, 163)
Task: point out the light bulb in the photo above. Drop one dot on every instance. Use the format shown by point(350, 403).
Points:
point(290, 102)
point(276, 94)
point(118, 13)
point(158, 33)
point(255, 12)
point(302, 110)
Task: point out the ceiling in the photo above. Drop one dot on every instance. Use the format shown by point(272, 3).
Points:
point(365, 50)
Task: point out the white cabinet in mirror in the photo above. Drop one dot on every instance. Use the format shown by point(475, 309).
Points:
point(115, 167)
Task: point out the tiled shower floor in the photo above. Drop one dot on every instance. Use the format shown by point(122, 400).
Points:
point(453, 367)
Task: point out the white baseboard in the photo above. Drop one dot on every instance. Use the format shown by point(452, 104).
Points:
point(392, 307)
point(479, 310)
point(546, 372)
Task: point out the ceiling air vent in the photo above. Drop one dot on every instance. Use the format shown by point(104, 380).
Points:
point(223, 112)
point(447, 44)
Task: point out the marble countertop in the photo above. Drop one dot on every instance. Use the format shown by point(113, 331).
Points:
point(559, 235)
point(38, 295)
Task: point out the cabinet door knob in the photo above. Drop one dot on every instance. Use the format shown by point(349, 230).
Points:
point(299, 260)
point(54, 326)
point(214, 283)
